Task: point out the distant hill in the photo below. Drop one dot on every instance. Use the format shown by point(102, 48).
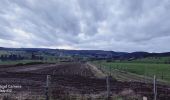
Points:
point(99, 54)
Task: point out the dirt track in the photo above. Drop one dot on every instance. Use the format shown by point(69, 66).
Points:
point(72, 78)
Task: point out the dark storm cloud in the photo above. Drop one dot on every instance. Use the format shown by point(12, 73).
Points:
point(121, 25)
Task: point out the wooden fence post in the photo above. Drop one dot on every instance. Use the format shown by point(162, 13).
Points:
point(47, 87)
point(162, 76)
point(155, 88)
point(108, 87)
point(145, 75)
point(109, 70)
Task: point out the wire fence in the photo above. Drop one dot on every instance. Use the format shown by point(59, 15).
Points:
point(48, 90)
point(135, 75)
point(158, 80)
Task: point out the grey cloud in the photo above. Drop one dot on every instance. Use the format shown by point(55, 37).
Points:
point(121, 25)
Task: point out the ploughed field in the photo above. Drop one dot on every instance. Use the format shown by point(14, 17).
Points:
point(70, 79)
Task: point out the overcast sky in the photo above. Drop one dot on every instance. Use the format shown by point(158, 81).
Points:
point(118, 25)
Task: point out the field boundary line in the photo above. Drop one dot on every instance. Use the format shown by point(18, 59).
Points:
point(135, 77)
point(98, 73)
point(148, 79)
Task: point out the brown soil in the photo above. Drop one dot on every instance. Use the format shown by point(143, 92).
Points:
point(74, 78)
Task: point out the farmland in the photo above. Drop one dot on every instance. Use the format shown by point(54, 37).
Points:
point(70, 81)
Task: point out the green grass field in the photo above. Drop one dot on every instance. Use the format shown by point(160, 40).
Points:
point(154, 60)
point(161, 70)
point(18, 62)
point(27, 61)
